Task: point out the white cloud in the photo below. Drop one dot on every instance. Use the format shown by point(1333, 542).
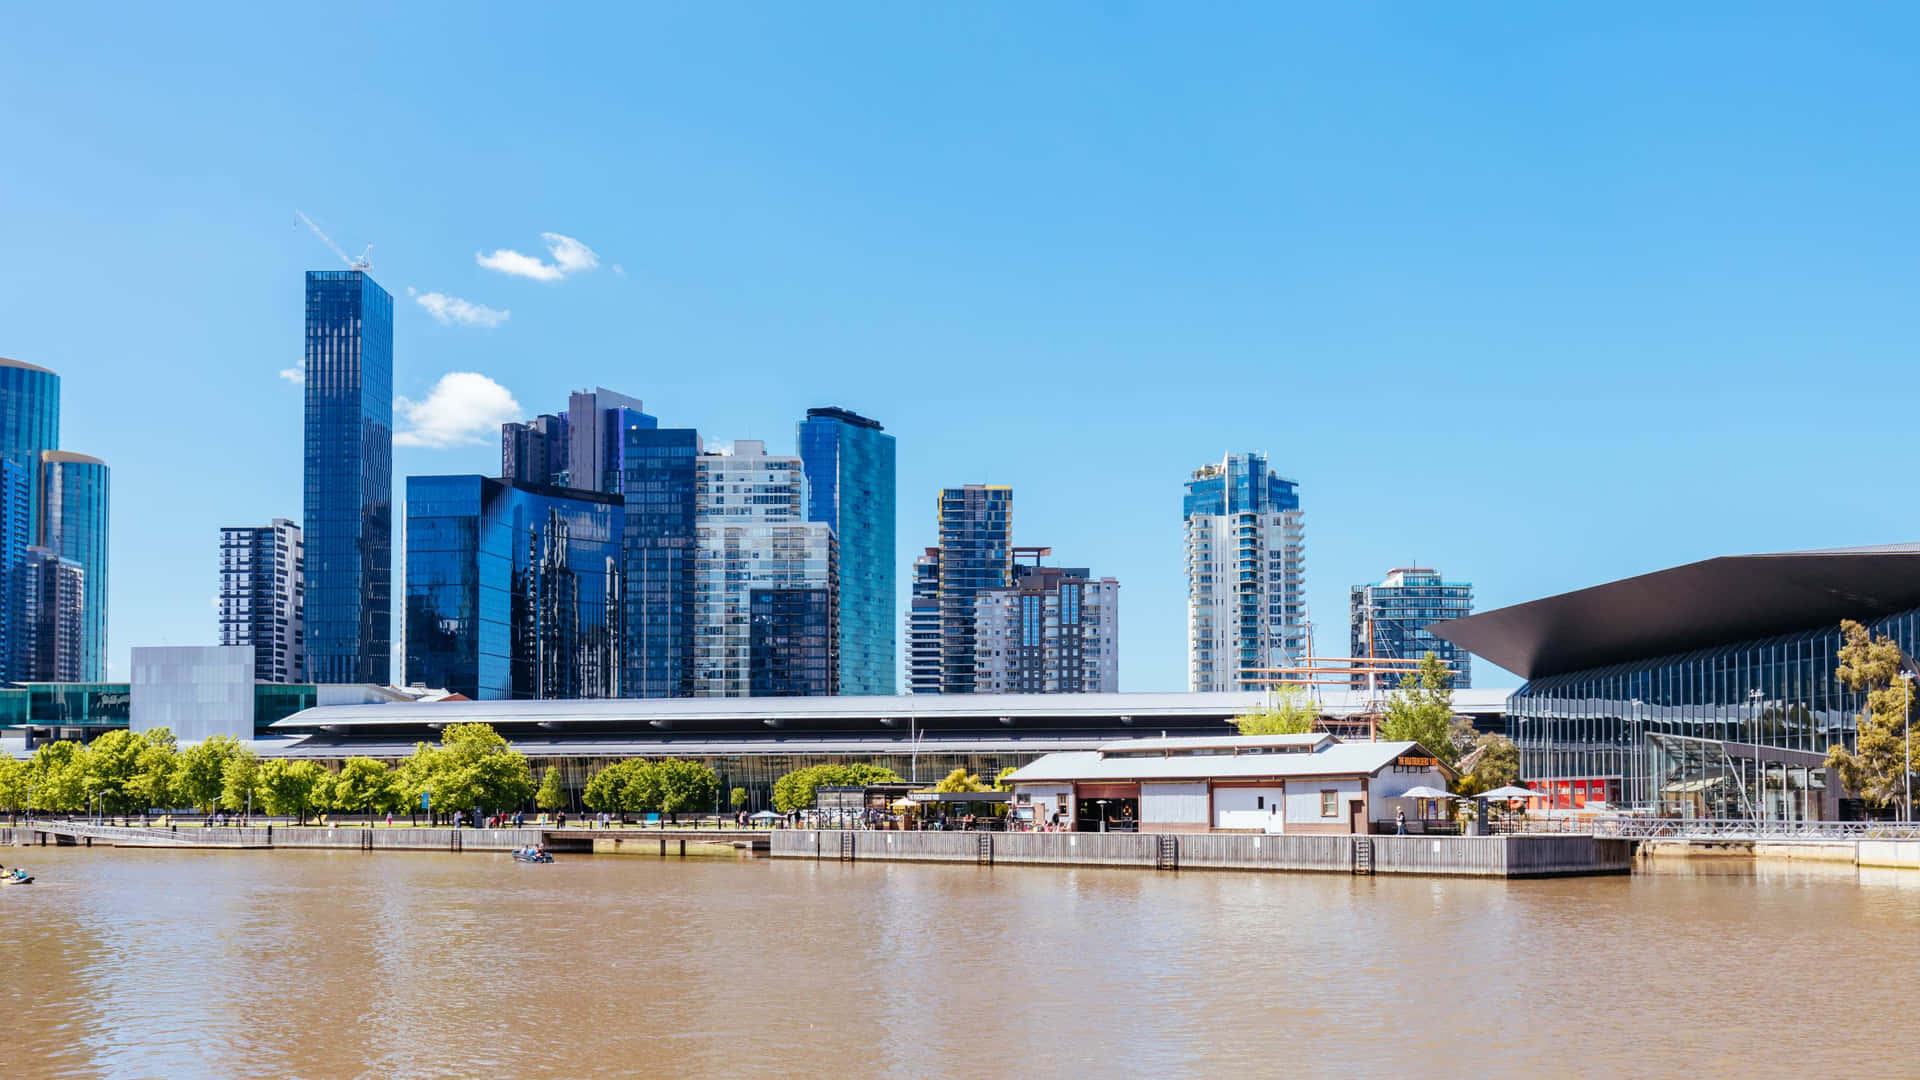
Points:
point(465, 408)
point(570, 257)
point(451, 310)
point(294, 375)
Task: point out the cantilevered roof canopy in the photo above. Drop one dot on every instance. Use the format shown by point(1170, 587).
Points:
point(1715, 602)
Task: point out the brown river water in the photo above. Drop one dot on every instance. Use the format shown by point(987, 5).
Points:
point(343, 964)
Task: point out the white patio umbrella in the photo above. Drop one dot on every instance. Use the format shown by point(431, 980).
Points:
point(1424, 792)
point(1511, 792)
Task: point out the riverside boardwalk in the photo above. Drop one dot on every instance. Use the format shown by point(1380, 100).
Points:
point(624, 841)
point(1510, 856)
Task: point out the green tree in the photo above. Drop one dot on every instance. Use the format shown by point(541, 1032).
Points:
point(155, 763)
point(1494, 762)
point(1291, 713)
point(959, 782)
point(553, 792)
point(200, 775)
point(606, 789)
point(480, 770)
point(794, 791)
point(1000, 778)
point(109, 767)
point(643, 793)
point(14, 776)
point(240, 781)
point(737, 799)
point(56, 777)
point(293, 788)
point(1876, 768)
point(1422, 710)
point(364, 784)
point(685, 786)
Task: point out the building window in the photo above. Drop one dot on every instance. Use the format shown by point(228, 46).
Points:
point(1329, 804)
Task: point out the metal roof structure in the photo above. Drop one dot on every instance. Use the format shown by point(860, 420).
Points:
point(1335, 759)
point(1713, 602)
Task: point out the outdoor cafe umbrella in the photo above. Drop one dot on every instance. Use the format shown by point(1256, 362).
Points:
point(764, 815)
point(1511, 792)
point(1424, 792)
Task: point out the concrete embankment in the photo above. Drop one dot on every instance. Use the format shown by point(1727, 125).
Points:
point(1902, 854)
point(1467, 856)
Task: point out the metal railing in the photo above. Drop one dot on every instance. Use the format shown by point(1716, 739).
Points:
point(1644, 828)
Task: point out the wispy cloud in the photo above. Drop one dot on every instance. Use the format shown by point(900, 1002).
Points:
point(570, 257)
point(294, 375)
point(464, 408)
point(453, 311)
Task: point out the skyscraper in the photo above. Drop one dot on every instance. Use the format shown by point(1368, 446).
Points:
point(1055, 630)
point(849, 462)
point(513, 590)
point(535, 451)
point(751, 534)
point(791, 642)
point(659, 484)
point(348, 521)
point(53, 616)
point(1389, 621)
point(29, 425)
point(263, 592)
point(597, 423)
point(1246, 588)
point(976, 554)
point(923, 625)
point(74, 525)
point(15, 539)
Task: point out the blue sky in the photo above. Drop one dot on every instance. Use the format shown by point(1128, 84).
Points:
point(1540, 294)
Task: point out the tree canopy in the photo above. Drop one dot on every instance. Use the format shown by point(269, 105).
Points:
point(670, 786)
point(1421, 710)
point(794, 791)
point(294, 788)
point(553, 792)
point(471, 767)
point(1494, 762)
point(200, 774)
point(1876, 768)
point(365, 785)
point(960, 782)
point(1292, 712)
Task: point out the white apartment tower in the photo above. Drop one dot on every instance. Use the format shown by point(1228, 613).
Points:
point(263, 597)
point(1054, 631)
point(1246, 574)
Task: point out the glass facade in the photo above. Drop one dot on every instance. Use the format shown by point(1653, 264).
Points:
point(348, 523)
point(976, 554)
point(263, 597)
point(15, 518)
point(1246, 574)
point(849, 462)
point(1730, 731)
point(1055, 631)
point(29, 425)
point(597, 424)
point(791, 642)
point(52, 617)
point(1390, 620)
point(923, 625)
point(75, 522)
point(659, 471)
point(535, 452)
point(513, 590)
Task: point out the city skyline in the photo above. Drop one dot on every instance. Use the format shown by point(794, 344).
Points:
point(1396, 240)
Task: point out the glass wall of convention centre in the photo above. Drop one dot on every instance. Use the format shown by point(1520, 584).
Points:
point(512, 589)
point(1737, 730)
point(348, 523)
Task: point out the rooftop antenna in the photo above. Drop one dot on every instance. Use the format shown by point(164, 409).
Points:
point(364, 262)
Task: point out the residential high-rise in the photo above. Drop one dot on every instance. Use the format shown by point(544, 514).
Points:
point(348, 520)
point(513, 590)
point(597, 423)
point(791, 642)
point(923, 625)
point(976, 554)
point(659, 482)
point(263, 597)
point(15, 539)
point(1055, 630)
point(1389, 621)
point(535, 451)
point(53, 614)
point(750, 534)
point(73, 523)
point(29, 425)
point(1246, 577)
point(849, 462)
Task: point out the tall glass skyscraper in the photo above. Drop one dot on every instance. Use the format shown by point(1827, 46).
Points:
point(29, 425)
point(74, 526)
point(1390, 621)
point(513, 590)
point(1246, 576)
point(659, 471)
point(976, 554)
point(349, 478)
point(849, 462)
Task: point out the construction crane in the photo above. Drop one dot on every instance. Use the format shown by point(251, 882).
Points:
point(364, 262)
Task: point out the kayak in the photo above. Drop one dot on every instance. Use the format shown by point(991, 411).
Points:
point(540, 857)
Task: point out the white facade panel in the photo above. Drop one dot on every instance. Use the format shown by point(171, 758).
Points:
point(1173, 804)
point(1392, 781)
point(198, 691)
point(1249, 808)
point(1304, 800)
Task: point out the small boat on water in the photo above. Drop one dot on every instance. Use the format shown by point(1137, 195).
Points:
point(524, 855)
point(16, 879)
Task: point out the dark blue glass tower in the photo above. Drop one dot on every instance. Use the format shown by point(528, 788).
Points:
point(29, 425)
point(349, 478)
point(15, 514)
point(513, 590)
point(659, 481)
point(74, 522)
point(790, 642)
point(848, 461)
